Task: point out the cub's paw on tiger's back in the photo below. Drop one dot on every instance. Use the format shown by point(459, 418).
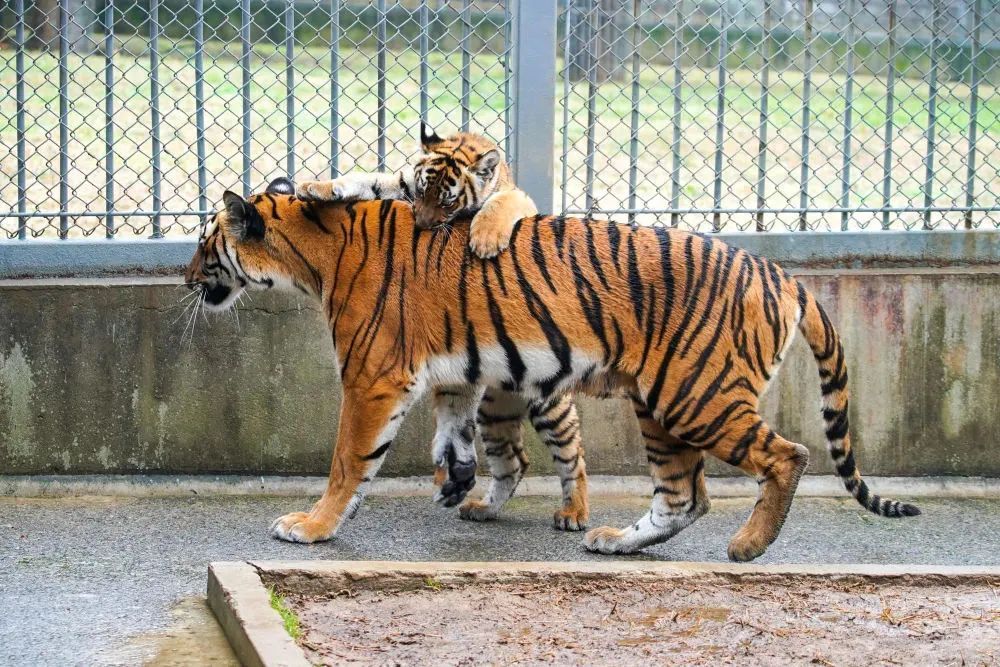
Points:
point(490, 237)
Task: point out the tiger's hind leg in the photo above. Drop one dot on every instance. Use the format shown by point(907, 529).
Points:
point(558, 425)
point(748, 442)
point(500, 416)
point(679, 493)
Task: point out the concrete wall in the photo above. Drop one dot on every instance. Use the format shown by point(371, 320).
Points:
point(96, 376)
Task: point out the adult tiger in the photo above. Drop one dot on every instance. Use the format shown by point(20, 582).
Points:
point(691, 328)
point(465, 174)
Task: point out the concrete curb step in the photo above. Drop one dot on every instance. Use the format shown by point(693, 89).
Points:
point(41, 486)
point(240, 599)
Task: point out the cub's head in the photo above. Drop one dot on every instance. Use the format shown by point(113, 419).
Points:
point(453, 176)
point(246, 245)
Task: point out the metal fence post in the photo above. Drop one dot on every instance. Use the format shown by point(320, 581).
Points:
point(22, 160)
point(534, 115)
point(156, 146)
point(63, 118)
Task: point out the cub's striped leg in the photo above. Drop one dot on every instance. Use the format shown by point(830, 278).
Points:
point(777, 464)
point(357, 186)
point(369, 419)
point(679, 493)
point(500, 417)
point(558, 425)
point(454, 447)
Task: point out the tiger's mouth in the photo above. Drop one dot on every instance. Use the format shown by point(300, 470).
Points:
point(424, 221)
point(441, 219)
point(217, 294)
point(427, 216)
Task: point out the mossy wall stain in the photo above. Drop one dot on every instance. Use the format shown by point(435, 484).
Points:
point(16, 402)
point(923, 355)
point(952, 372)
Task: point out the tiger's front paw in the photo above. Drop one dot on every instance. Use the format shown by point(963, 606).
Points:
point(487, 239)
point(331, 190)
point(476, 510)
point(298, 527)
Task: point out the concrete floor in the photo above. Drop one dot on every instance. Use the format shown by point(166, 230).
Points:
point(104, 581)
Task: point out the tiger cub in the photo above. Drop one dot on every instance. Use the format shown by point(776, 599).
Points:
point(459, 175)
point(456, 175)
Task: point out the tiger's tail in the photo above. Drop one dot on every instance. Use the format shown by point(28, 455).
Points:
point(829, 353)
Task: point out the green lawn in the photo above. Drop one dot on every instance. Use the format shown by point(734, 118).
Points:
point(358, 133)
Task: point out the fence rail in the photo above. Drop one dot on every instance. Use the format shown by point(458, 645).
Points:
point(129, 118)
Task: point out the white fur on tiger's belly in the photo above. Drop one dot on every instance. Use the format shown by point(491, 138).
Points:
point(540, 364)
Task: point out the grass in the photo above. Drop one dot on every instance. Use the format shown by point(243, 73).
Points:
point(358, 132)
point(288, 617)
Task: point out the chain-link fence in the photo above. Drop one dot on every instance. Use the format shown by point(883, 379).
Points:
point(775, 114)
point(130, 117)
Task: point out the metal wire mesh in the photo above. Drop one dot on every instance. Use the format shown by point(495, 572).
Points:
point(775, 114)
point(130, 118)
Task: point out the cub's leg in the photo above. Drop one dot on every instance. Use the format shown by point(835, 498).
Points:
point(777, 464)
point(369, 419)
point(358, 187)
point(454, 447)
point(679, 493)
point(558, 424)
point(493, 225)
point(500, 417)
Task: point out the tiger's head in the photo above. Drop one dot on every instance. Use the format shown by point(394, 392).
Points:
point(237, 250)
point(454, 176)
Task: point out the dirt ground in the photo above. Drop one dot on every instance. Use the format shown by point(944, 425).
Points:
point(702, 621)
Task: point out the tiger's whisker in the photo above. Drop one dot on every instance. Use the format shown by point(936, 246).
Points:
point(191, 314)
point(184, 311)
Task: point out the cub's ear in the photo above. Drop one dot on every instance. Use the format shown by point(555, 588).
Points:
point(242, 219)
point(486, 165)
point(428, 137)
point(280, 186)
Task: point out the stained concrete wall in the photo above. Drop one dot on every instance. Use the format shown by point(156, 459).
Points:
point(97, 376)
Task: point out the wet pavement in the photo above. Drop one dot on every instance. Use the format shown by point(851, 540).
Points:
point(104, 581)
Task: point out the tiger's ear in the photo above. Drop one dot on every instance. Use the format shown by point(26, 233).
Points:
point(280, 186)
point(242, 220)
point(428, 137)
point(486, 165)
